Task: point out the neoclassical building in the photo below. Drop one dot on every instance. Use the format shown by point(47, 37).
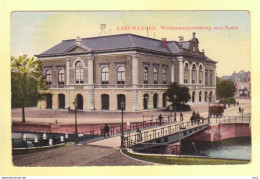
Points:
point(101, 72)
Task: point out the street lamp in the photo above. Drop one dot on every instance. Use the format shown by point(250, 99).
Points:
point(122, 129)
point(75, 103)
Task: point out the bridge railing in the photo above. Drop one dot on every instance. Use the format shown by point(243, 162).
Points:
point(231, 119)
point(131, 139)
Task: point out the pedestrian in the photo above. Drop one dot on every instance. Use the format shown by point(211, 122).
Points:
point(160, 119)
point(139, 135)
point(239, 110)
point(237, 103)
point(181, 116)
point(68, 110)
point(106, 130)
point(175, 115)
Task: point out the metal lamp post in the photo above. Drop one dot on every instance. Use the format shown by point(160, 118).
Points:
point(76, 126)
point(122, 129)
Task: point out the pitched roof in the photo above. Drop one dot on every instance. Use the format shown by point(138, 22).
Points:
point(243, 76)
point(121, 41)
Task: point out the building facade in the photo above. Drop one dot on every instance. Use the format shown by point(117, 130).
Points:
point(242, 81)
point(101, 72)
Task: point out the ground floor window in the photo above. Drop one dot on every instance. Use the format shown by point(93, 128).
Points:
point(193, 96)
point(206, 96)
point(164, 100)
point(200, 94)
point(105, 101)
point(210, 96)
point(79, 101)
point(120, 99)
point(155, 100)
point(145, 101)
point(61, 101)
point(49, 101)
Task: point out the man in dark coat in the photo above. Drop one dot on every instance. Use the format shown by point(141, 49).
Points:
point(106, 130)
point(160, 119)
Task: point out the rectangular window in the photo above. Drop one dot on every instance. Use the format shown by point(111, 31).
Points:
point(211, 77)
point(206, 77)
point(200, 77)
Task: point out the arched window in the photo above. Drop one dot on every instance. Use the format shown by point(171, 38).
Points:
point(164, 76)
point(61, 76)
point(155, 100)
point(193, 96)
point(206, 77)
point(193, 75)
point(61, 101)
point(186, 73)
point(79, 72)
point(206, 96)
point(145, 101)
point(200, 74)
point(155, 75)
point(145, 75)
point(104, 75)
point(48, 77)
point(120, 99)
point(121, 75)
point(200, 95)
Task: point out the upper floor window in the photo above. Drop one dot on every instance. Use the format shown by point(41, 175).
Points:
point(48, 77)
point(145, 75)
point(104, 75)
point(164, 76)
point(206, 77)
point(79, 72)
point(61, 76)
point(200, 74)
point(186, 73)
point(121, 75)
point(155, 75)
point(211, 77)
point(193, 75)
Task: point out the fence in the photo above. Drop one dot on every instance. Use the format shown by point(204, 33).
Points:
point(153, 134)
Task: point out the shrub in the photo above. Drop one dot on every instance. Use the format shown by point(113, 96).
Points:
point(229, 100)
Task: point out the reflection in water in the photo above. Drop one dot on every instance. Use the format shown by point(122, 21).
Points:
point(235, 148)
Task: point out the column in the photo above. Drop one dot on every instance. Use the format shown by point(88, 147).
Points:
point(172, 69)
point(180, 59)
point(135, 81)
point(135, 69)
point(67, 98)
point(90, 86)
point(90, 58)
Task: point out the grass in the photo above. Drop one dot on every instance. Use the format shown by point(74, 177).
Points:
point(174, 160)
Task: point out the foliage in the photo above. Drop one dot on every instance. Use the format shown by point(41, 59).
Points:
point(229, 100)
point(181, 93)
point(26, 80)
point(225, 88)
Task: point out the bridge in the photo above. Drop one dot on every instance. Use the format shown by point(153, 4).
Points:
point(166, 134)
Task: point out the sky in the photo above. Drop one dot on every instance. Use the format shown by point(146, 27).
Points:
point(225, 36)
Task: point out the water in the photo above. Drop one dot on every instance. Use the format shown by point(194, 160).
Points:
point(235, 148)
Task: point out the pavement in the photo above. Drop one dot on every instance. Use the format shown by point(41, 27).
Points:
point(100, 153)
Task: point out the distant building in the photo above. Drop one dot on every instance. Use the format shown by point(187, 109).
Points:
point(101, 72)
point(242, 81)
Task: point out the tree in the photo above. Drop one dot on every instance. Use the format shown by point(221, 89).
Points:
point(181, 92)
point(26, 82)
point(225, 88)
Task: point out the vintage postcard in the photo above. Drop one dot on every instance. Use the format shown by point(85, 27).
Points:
point(130, 88)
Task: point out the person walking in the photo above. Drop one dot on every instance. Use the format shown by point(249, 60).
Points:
point(181, 117)
point(106, 130)
point(160, 119)
point(174, 117)
point(239, 110)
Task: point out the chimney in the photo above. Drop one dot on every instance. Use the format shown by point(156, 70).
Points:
point(164, 42)
point(78, 41)
point(181, 38)
point(194, 35)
